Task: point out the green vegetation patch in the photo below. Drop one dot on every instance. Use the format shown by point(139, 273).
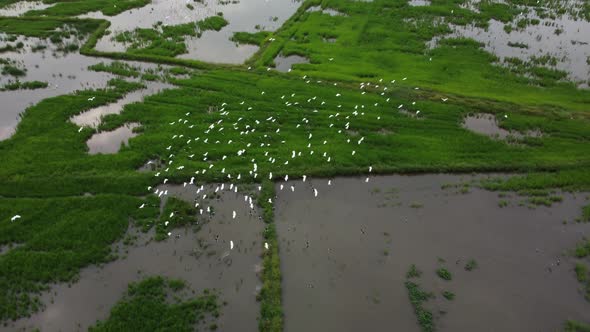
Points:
point(256, 38)
point(57, 237)
point(270, 296)
point(448, 295)
point(28, 85)
point(417, 298)
point(582, 249)
point(167, 41)
point(147, 307)
point(74, 8)
point(444, 274)
point(371, 30)
point(47, 27)
point(117, 68)
point(573, 326)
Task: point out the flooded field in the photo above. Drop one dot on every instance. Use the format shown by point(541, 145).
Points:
point(562, 42)
point(107, 142)
point(202, 257)
point(21, 7)
point(93, 117)
point(211, 46)
point(64, 73)
point(487, 124)
point(345, 254)
point(285, 63)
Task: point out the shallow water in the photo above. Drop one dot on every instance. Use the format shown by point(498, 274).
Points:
point(327, 11)
point(571, 47)
point(285, 63)
point(108, 142)
point(21, 7)
point(213, 46)
point(65, 73)
point(344, 256)
point(203, 259)
point(487, 124)
point(92, 118)
point(416, 3)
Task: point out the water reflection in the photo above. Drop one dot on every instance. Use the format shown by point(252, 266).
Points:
point(109, 142)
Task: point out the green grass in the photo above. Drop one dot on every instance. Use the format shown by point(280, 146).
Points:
point(401, 31)
point(573, 326)
point(145, 307)
point(582, 249)
point(586, 213)
point(583, 278)
point(256, 38)
point(117, 68)
point(57, 237)
point(270, 298)
point(45, 27)
point(45, 167)
point(73, 8)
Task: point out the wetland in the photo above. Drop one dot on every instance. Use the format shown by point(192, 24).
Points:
point(289, 165)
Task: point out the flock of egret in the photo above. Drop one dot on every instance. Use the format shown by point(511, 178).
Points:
point(272, 164)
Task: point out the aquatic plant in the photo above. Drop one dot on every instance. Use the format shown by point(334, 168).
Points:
point(417, 298)
point(444, 274)
point(471, 265)
point(448, 295)
point(413, 272)
point(145, 307)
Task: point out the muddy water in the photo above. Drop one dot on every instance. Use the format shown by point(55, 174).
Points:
point(212, 46)
point(93, 117)
point(344, 256)
point(202, 258)
point(285, 63)
point(107, 142)
point(571, 46)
